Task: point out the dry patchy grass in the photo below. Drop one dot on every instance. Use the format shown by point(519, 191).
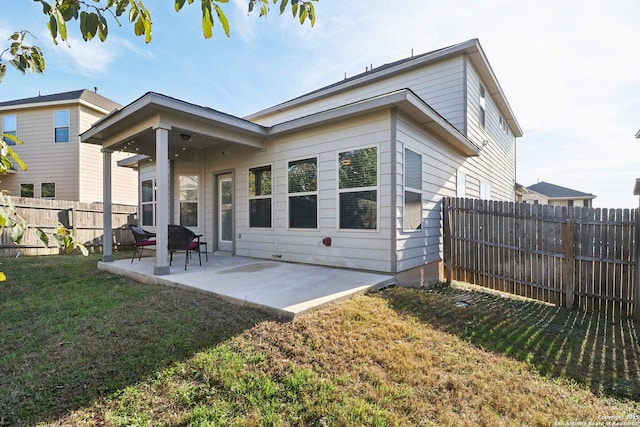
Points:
point(86, 348)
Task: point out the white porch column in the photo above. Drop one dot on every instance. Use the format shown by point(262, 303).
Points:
point(107, 228)
point(162, 199)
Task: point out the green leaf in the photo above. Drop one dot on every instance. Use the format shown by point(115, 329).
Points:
point(294, 8)
point(17, 231)
point(62, 26)
point(283, 6)
point(207, 19)
point(53, 28)
point(223, 20)
point(3, 71)
point(42, 236)
point(178, 5)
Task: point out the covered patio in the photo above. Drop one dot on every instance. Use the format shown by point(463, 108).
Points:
point(280, 288)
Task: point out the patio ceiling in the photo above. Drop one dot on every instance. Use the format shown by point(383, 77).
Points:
point(192, 128)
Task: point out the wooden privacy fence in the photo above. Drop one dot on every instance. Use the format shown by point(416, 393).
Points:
point(561, 255)
point(85, 219)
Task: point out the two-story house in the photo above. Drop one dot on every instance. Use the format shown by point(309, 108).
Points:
point(350, 175)
point(59, 166)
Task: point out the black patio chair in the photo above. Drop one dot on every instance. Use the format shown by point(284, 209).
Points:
point(143, 239)
point(183, 239)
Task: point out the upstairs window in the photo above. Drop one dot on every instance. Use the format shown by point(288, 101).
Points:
point(358, 189)
point(260, 194)
point(483, 106)
point(61, 126)
point(148, 202)
point(303, 193)
point(188, 193)
point(10, 127)
point(412, 220)
point(26, 190)
point(48, 190)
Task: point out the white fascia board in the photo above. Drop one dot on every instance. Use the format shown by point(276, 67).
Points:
point(154, 102)
point(404, 100)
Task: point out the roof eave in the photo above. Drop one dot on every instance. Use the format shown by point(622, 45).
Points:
point(405, 100)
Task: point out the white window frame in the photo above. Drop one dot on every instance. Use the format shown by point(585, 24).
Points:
point(304, 193)
point(151, 202)
point(181, 200)
point(414, 190)
point(482, 116)
point(485, 190)
point(13, 130)
point(57, 126)
point(260, 196)
point(375, 188)
point(461, 184)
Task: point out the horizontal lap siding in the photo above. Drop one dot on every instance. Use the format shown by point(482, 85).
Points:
point(369, 250)
point(439, 166)
point(46, 160)
point(125, 180)
point(441, 85)
point(496, 163)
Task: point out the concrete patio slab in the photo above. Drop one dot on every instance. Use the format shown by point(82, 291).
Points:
point(284, 289)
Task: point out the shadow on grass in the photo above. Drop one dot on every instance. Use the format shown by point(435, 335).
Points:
point(599, 352)
point(70, 334)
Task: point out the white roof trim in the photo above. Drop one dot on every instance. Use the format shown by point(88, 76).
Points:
point(470, 47)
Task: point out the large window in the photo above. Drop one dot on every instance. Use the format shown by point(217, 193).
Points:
point(10, 127)
point(26, 190)
point(148, 202)
point(61, 126)
point(260, 192)
point(358, 189)
point(188, 200)
point(48, 190)
point(303, 193)
point(412, 191)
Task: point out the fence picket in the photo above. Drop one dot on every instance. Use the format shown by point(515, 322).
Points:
point(561, 255)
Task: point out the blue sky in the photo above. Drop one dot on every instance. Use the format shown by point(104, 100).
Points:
point(570, 69)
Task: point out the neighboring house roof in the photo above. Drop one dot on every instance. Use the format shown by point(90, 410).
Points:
point(471, 48)
point(80, 95)
point(553, 191)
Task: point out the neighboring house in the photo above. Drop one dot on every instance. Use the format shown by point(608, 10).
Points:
point(351, 175)
point(59, 166)
point(545, 193)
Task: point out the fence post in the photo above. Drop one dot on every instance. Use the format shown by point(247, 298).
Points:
point(446, 236)
point(569, 262)
point(636, 285)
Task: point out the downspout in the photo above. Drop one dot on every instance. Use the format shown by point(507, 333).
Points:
point(394, 179)
point(465, 94)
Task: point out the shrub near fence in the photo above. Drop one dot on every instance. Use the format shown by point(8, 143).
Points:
point(85, 219)
point(562, 255)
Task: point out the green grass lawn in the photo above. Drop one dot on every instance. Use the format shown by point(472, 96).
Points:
point(82, 347)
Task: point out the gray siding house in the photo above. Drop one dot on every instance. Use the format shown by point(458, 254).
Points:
point(350, 175)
